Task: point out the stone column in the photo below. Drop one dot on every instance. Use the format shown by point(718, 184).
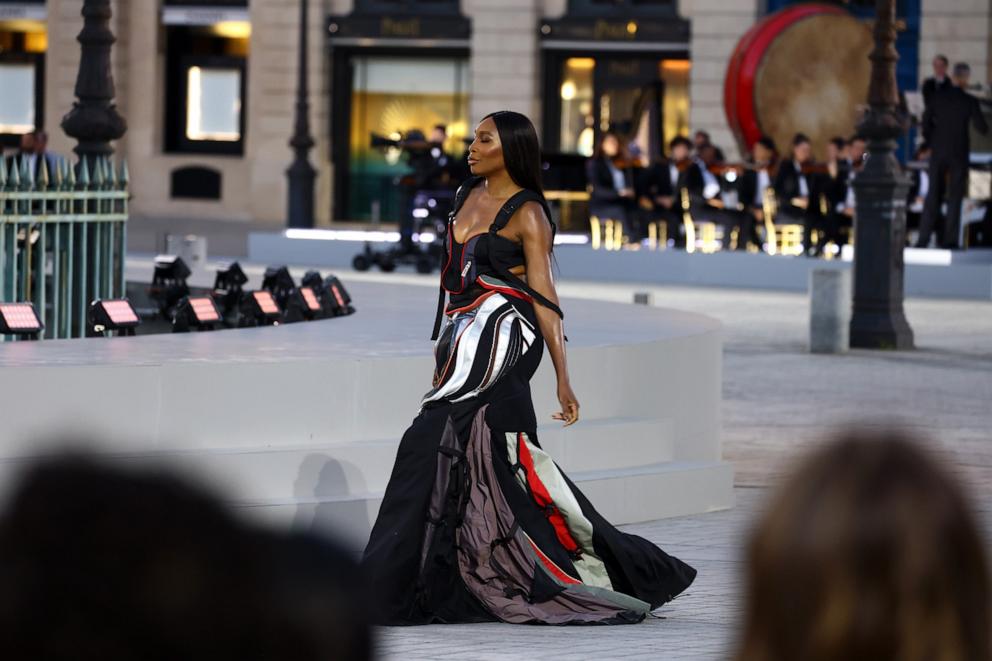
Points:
point(716, 27)
point(505, 59)
point(961, 30)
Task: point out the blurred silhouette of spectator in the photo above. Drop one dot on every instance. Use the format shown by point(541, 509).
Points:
point(101, 563)
point(869, 551)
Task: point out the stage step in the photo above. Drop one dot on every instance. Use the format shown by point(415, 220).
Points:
point(630, 495)
point(341, 470)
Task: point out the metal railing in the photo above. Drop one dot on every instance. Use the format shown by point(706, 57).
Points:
point(63, 238)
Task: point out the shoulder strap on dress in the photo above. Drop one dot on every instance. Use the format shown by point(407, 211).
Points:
point(460, 196)
point(502, 218)
point(516, 201)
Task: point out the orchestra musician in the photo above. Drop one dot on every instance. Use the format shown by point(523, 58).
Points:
point(833, 186)
point(793, 190)
point(751, 185)
point(611, 180)
point(660, 186)
point(706, 203)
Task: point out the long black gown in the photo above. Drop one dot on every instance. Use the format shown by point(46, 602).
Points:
point(477, 522)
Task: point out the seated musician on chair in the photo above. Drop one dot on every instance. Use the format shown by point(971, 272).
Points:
point(706, 203)
point(660, 184)
point(833, 186)
point(751, 186)
point(610, 177)
point(792, 188)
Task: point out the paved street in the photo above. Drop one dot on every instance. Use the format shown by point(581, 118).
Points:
point(778, 401)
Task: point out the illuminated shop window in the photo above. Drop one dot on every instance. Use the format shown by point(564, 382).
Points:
point(17, 103)
point(213, 104)
point(577, 119)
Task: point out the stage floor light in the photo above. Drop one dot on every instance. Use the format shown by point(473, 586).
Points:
point(278, 280)
point(338, 300)
point(169, 283)
point(196, 313)
point(112, 315)
point(303, 305)
point(20, 319)
point(228, 287)
point(259, 308)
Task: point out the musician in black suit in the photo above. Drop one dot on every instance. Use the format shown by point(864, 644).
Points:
point(831, 187)
point(751, 187)
point(660, 184)
point(706, 193)
point(945, 127)
point(793, 190)
point(611, 182)
point(939, 81)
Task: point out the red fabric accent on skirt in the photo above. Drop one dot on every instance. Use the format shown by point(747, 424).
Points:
point(543, 498)
point(552, 567)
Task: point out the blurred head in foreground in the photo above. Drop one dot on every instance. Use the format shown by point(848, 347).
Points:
point(99, 563)
point(868, 552)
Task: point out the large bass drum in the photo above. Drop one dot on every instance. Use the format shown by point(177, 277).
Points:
point(802, 69)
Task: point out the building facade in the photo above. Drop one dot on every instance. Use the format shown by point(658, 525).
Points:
point(207, 86)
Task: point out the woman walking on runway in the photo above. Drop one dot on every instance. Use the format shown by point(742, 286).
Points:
point(477, 522)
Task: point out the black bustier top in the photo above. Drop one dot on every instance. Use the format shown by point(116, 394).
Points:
point(484, 254)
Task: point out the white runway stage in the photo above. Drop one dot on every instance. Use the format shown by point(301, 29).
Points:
point(300, 423)
point(929, 273)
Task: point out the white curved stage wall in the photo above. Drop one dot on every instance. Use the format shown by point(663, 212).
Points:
point(300, 423)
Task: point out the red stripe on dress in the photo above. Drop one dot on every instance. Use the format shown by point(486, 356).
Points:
point(555, 570)
point(543, 498)
point(509, 291)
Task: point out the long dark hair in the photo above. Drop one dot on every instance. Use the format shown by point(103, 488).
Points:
point(521, 150)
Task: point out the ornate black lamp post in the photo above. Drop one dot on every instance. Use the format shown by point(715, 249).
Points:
point(878, 320)
point(301, 174)
point(94, 120)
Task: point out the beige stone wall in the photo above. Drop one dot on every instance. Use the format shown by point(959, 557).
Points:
point(716, 26)
point(505, 62)
point(961, 30)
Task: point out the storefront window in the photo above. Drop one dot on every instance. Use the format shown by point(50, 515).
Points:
point(675, 76)
point(23, 42)
point(213, 110)
point(206, 66)
point(397, 99)
point(17, 103)
point(577, 117)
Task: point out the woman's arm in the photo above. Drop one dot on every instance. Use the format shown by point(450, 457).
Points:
point(534, 232)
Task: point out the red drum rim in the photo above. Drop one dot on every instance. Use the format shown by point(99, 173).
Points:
point(745, 61)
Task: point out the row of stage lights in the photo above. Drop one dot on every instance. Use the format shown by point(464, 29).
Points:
point(279, 301)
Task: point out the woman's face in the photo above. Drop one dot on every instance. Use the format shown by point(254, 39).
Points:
point(485, 154)
point(610, 146)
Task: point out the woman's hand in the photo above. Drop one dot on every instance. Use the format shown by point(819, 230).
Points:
point(569, 413)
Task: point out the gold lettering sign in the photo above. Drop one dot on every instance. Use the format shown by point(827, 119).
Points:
point(628, 69)
point(613, 31)
point(400, 28)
